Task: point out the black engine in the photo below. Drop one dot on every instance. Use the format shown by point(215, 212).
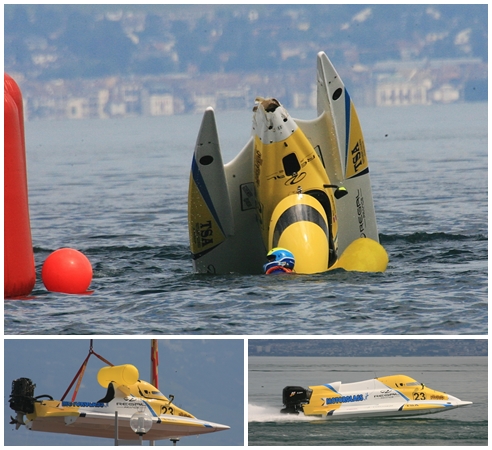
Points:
point(293, 397)
point(22, 395)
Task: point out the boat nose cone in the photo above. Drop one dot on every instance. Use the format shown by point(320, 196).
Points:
point(457, 402)
point(217, 426)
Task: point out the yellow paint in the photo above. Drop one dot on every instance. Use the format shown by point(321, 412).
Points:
point(204, 231)
point(412, 389)
point(356, 156)
point(158, 402)
point(363, 255)
point(51, 408)
point(125, 374)
point(276, 191)
point(307, 241)
point(272, 184)
point(309, 245)
point(317, 404)
point(419, 406)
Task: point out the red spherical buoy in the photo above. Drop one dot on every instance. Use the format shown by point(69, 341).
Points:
point(67, 270)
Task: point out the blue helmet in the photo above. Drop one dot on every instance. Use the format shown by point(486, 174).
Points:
point(279, 257)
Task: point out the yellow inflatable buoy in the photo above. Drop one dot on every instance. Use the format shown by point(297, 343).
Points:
point(363, 255)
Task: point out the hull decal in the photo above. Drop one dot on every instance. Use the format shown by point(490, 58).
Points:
point(202, 188)
point(329, 386)
point(152, 412)
point(198, 255)
point(364, 172)
point(404, 396)
point(348, 103)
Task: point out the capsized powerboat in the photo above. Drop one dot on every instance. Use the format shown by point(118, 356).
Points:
point(133, 406)
point(390, 396)
point(302, 185)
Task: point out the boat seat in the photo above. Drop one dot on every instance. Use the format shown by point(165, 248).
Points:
point(109, 394)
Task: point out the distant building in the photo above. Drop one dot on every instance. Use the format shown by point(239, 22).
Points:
point(390, 83)
point(203, 101)
point(445, 94)
point(400, 91)
point(77, 108)
point(161, 105)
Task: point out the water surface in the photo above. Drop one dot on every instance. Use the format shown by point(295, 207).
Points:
point(117, 191)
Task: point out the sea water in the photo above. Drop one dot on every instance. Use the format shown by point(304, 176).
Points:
point(463, 377)
point(117, 191)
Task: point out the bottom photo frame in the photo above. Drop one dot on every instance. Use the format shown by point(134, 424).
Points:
point(367, 392)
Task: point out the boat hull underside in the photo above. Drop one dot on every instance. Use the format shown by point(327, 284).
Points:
point(84, 426)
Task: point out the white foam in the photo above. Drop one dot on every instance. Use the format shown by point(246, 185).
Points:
point(258, 413)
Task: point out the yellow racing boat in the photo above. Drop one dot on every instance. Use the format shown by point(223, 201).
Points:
point(301, 185)
point(389, 396)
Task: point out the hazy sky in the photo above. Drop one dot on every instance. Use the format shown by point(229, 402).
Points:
point(206, 376)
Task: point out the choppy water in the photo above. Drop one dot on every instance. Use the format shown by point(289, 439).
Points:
point(117, 191)
point(463, 377)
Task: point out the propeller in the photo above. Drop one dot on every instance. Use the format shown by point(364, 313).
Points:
point(18, 421)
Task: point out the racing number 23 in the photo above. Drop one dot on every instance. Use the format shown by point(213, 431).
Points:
point(419, 396)
point(166, 410)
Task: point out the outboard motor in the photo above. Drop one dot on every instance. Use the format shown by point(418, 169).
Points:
point(293, 397)
point(22, 396)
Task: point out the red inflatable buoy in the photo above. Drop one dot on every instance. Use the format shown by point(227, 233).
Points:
point(68, 271)
point(19, 269)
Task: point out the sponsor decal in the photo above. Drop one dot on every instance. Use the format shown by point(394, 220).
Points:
point(132, 403)
point(437, 397)
point(247, 192)
point(203, 234)
point(86, 404)
point(361, 215)
point(295, 178)
point(387, 394)
point(257, 166)
point(308, 159)
point(259, 210)
point(295, 393)
point(344, 399)
point(358, 155)
point(276, 176)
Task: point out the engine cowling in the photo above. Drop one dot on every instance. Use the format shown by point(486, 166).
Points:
point(22, 396)
point(293, 398)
